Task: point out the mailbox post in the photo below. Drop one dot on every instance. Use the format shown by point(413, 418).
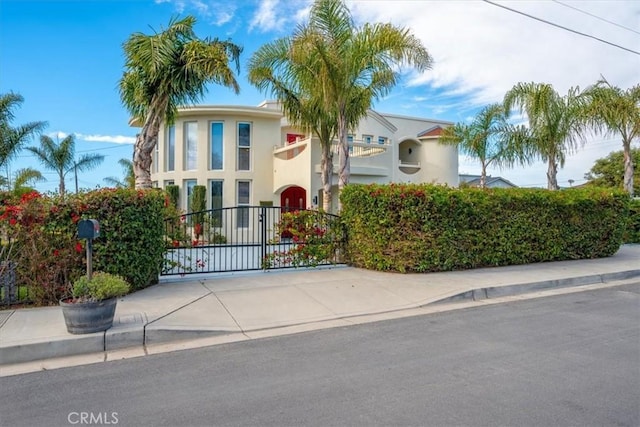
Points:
point(89, 229)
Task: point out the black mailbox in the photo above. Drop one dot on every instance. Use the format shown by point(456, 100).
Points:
point(88, 229)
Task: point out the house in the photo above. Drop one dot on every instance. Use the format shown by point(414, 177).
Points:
point(491, 181)
point(248, 156)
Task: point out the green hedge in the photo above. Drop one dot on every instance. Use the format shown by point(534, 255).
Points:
point(632, 231)
point(42, 234)
point(131, 242)
point(419, 228)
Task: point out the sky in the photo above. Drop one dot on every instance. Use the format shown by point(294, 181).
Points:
point(65, 58)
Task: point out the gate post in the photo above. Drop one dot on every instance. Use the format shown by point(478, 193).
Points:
point(262, 219)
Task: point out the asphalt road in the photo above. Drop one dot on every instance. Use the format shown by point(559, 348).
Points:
point(570, 360)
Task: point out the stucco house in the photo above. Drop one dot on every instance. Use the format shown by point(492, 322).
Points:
point(491, 181)
point(249, 156)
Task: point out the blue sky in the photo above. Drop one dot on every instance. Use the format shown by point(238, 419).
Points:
point(65, 58)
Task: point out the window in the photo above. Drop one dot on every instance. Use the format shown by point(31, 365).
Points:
point(216, 146)
point(190, 146)
point(382, 140)
point(171, 149)
point(243, 201)
point(367, 138)
point(244, 146)
point(188, 191)
point(350, 143)
point(215, 190)
point(168, 182)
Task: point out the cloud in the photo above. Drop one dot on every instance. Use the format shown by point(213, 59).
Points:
point(481, 51)
point(114, 139)
point(265, 18)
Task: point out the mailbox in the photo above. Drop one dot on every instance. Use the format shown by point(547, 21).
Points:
point(88, 229)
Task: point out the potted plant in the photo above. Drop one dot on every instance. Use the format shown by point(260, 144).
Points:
point(93, 302)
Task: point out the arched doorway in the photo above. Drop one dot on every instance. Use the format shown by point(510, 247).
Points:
point(294, 198)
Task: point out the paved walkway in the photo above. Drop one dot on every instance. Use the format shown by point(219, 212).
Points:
point(196, 307)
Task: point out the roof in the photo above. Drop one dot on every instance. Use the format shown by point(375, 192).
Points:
point(431, 132)
point(491, 181)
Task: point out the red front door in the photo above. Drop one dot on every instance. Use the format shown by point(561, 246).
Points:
point(294, 199)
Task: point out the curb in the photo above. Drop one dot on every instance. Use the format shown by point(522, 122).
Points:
point(142, 334)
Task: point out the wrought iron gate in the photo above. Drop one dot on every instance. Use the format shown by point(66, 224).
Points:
point(251, 238)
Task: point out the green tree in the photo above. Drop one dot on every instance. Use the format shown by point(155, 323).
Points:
point(275, 69)
point(616, 111)
point(489, 138)
point(60, 158)
point(13, 138)
point(129, 180)
point(557, 124)
point(353, 65)
point(165, 70)
point(609, 171)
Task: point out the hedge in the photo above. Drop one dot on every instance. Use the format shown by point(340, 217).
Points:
point(632, 231)
point(42, 232)
point(420, 228)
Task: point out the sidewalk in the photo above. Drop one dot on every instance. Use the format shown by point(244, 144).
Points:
point(198, 307)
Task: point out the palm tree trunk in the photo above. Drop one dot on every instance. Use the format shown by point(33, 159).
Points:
point(552, 174)
point(61, 187)
point(628, 167)
point(344, 169)
point(483, 176)
point(146, 142)
point(326, 172)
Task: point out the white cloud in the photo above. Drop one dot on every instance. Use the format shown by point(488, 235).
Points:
point(114, 139)
point(265, 18)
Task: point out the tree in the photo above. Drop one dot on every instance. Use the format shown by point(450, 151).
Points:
point(557, 124)
point(165, 70)
point(617, 111)
point(275, 69)
point(129, 180)
point(610, 171)
point(13, 138)
point(60, 158)
point(490, 138)
point(23, 181)
point(353, 65)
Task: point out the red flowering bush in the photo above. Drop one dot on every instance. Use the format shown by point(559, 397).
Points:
point(46, 254)
point(312, 238)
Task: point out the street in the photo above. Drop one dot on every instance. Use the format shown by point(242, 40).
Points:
point(557, 361)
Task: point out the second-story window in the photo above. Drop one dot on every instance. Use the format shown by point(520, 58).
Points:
point(170, 146)
point(216, 146)
point(244, 146)
point(382, 140)
point(367, 139)
point(190, 146)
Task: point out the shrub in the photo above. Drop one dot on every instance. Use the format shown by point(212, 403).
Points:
point(174, 194)
point(315, 239)
point(417, 228)
point(49, 256)
point(101, 286)
point(632, 230)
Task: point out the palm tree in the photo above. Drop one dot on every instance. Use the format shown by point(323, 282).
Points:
point(557, 124)
point(490, 138)
point(352, 65)
point(273, 69)
point(616, 111)
point(129, 180)
point(23, 181)
point(60, 158)
point(13, 138)
point(165, 70)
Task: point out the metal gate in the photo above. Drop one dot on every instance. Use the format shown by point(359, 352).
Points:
point(251, 238)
